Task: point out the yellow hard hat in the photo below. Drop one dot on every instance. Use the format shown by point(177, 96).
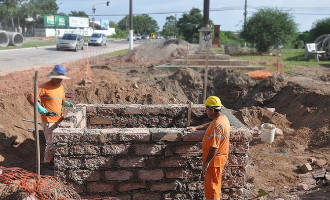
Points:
point(213, 101)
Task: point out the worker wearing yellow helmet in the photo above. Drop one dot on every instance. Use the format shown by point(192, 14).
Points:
point(215, 147)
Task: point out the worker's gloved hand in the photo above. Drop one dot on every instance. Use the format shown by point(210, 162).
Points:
point(68, 104)
point(41, 109)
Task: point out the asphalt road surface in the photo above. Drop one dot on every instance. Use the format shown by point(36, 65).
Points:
point(28, 58)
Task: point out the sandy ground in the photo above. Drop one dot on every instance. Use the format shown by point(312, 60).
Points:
point(301, 103)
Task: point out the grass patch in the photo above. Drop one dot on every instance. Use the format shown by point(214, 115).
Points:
point(29, 44)
point(116, 53)
point(289, 59)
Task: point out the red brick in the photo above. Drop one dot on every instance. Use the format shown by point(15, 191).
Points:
point(153, 110)
point(156, 174)
point(124, 187)
point(196, 136)
point(115, 149)
point(164, 186)
point(237, 161)
point(189, 150)
point(236, 193)
point(109, 110)
point(85, 150)
point(100, 187)
point(134, 134)
point(166, 134)
point(197, 185)
point(146, 196)
point(121, 175)
point(240, 134)
point(147, 149)
point(173, 162)
point(77, 187)
point(179, 173)
point(90, 110)
point(234, 182)
point(131, 162)
point(100, 120)
point(133, 110)
point(240, 172)
point(95, 163)
point(242, 147)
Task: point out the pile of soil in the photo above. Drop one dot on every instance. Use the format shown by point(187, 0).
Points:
point(301, 112)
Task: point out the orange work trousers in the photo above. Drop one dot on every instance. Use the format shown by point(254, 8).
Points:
point(212, 183)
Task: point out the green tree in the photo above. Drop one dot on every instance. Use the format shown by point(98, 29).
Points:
point(228, 37)
point(320, 27)
point(189, 24)
point(143, 24)
point(169, 28)
point(78, 14)
point(269, 27)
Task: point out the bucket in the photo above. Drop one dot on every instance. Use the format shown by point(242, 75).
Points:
point(267, 133)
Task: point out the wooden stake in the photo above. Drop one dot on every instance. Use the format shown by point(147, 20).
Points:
point(189, 113)
point(36, 132)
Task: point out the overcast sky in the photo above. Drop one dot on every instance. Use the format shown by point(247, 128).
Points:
point(227, 13)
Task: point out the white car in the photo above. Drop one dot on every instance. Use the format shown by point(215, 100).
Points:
point(70, 41)
point(99, 39)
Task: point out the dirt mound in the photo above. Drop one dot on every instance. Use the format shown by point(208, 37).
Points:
point(152, 53)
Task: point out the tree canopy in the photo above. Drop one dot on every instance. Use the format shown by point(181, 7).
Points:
point(78, 14)
point(320, 27)
point(269, 27)
point(189, 24)
point(169, 28)
point(143, 24)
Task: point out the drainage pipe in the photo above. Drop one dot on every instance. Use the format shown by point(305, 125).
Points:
point(15, 39)
point(4, 39)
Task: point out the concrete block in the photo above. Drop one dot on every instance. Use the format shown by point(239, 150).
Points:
point(306, 168)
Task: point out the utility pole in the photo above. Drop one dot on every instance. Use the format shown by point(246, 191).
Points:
point(130, 24)
point(206, 13)
point(245, 13)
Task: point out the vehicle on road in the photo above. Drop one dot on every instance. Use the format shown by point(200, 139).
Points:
point(99, 39)
point(138, 36)
point(70, 41)
point(160, 37)
point(134, 37)
point(145, 37)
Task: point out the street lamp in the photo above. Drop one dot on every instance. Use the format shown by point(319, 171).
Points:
point(107, 3)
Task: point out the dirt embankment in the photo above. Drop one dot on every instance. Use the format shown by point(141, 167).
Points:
point(301, 112)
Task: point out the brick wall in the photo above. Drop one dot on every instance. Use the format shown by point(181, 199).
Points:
point(141, 163)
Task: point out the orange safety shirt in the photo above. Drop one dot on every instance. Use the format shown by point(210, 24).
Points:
point(217, 136)
point(52, 98)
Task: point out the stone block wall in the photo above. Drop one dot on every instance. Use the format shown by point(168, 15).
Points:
point(140, 163)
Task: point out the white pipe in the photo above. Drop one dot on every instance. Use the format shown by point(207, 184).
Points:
point(4, 39)
point(15, 39)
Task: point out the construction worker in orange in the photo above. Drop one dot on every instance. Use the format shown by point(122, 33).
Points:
point(51, 99)
point(215, 147)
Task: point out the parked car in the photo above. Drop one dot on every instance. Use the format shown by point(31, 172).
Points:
point(99, 39)
point(70, 41)
point(160, 37)
point(145, 37)
point(134, 37)
point(138, 36)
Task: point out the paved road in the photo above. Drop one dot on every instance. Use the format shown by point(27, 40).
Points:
point(21, 59)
